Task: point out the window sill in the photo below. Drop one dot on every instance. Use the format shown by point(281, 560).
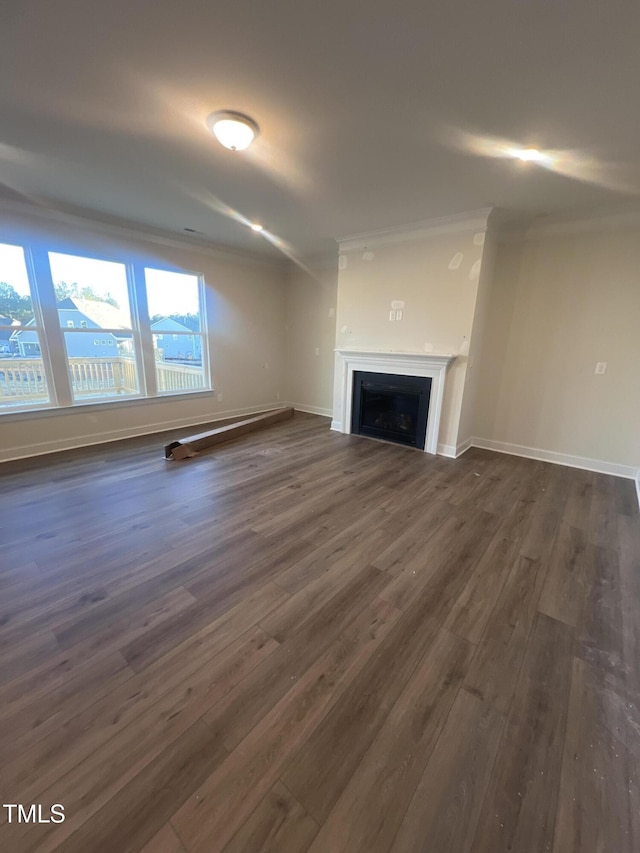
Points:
point(47, 411)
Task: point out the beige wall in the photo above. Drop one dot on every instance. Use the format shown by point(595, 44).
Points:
point(480, 342)
point(536, 322)
point(246, 301)
point(311, 328)
point(559, 304)
point(439, 305)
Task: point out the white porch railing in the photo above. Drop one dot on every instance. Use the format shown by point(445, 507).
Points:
point(111, 376)
point(178, 377)
point(23, 380)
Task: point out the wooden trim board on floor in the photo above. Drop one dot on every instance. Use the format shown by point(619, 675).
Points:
point(190, 446)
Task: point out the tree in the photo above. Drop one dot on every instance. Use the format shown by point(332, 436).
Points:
point(66, 291)
point(14, 305)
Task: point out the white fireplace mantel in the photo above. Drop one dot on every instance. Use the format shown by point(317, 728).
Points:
point(428, 365)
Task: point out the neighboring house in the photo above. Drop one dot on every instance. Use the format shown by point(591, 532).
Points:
point(173, 346)
point(5, 335)
point(25, 343)
point(79, 314)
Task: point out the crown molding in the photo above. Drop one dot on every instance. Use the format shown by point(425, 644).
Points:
point(131, 231)
point(475, 220)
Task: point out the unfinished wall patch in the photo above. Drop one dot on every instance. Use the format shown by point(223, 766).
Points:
point(474, 272)
point(478, 239)
point(343, 262)
point(344, 329)
point(332, 313)
point(428, 347)
point(367, 256)
point(455, 261)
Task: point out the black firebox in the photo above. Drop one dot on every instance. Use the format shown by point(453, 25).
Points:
point(391, 407)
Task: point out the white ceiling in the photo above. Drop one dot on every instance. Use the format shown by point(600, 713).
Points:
point(372, 114)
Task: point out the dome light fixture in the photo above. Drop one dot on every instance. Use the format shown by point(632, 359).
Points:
point(255, 226)
point(234, 130)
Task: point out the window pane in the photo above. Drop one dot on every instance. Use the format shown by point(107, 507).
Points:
point(101, 367)
point(22, 379)
point(15, 295)
point(91, 291)
point(179, 363)
point(174, 301)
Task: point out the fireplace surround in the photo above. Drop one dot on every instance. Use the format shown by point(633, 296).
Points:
point(350, 361)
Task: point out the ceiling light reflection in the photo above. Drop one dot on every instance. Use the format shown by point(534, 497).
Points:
point(619, 177)
point(208, 199)
point(531, 155)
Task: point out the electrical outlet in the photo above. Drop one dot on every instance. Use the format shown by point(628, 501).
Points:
point(219, 398)
point(317, 350)
point(601, 367)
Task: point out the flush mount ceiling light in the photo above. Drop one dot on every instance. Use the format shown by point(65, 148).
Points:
point(233, 130)
point(256, 227)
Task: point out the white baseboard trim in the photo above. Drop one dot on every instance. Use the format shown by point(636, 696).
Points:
point(336, 426)
point(463, 446)
point(638, 486)
point(311, 410)
point(41, 448)
point(447, 450)
point(583, 462)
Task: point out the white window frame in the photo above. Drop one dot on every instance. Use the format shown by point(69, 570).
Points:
point(38, 327)
point(50, 331)
point(203, 332)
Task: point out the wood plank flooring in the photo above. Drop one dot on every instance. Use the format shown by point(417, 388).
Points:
point(303, 641)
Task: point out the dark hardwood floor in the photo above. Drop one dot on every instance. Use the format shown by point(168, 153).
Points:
point(303, 641)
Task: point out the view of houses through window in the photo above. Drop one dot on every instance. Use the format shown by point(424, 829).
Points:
point(106, 329)
point(177, 334)
point(22, 377)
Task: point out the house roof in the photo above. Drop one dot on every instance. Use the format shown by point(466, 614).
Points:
point(170, 325)
point(371, 116)
point(104, 315)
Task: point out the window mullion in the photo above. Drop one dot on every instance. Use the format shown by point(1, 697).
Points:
point(205, 310)
point(144, 339)
point(52, 343)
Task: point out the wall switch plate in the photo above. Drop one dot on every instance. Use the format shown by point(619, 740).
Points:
point(398, 315)
point(317, 350)
point(219, 398)
point(392, 315)
point(601, 367)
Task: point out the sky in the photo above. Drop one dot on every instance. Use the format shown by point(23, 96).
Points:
point(167, 292)
point(12, 268)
